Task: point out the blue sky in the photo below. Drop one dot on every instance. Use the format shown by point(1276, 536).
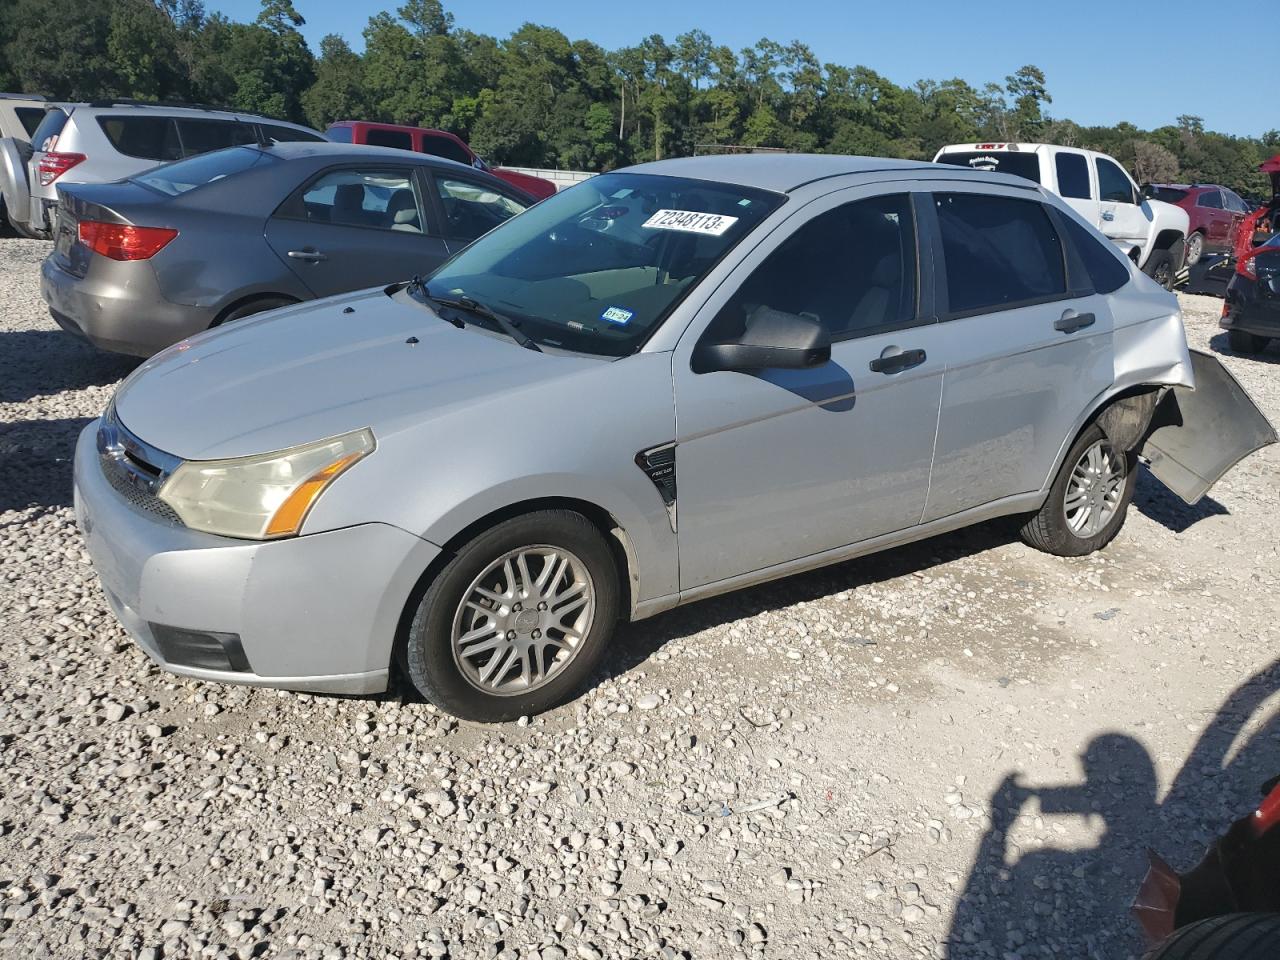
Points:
point(1105, 60)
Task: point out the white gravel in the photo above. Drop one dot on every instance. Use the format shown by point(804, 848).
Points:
point(806, 769)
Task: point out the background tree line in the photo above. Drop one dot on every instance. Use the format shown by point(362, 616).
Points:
point(537, 98)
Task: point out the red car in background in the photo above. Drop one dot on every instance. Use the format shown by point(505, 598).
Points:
point(438, 143)
point(1216, 213)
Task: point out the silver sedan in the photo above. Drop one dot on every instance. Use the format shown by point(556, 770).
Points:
point(662, 384)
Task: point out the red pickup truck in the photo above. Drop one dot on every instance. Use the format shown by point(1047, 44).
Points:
point(439, 143)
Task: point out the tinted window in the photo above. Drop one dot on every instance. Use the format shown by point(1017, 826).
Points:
point(1073, 175)
point(597, 268)
point(282, 134)
point(30, 118)
point(852, 268)
point(1234, 203)
point(1211, 199)
point(176, 178)
point(1113, 183)
point(1025, 165)
point(339, 134)
point(445, 147)
point(473, 209)
point(382, 199)
point(1168, 194)
point(389, 138)
point(149, 138)
point(50, 127)
point(998, 251)
point(1101, 259)
point(204, 136)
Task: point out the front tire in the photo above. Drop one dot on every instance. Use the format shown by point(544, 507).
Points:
point(1088, 501)
point(1160, 268)
point(1242, 342)
point(517, 620)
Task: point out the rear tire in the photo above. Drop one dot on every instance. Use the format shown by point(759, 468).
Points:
point(1243, 342)
point(533, 641)
point(1195, 248)
point(1088, 501)
point(1235, 936)
point(1160, 268)
point(253, 306)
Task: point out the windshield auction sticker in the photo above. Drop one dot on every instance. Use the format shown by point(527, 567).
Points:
point(690, 221)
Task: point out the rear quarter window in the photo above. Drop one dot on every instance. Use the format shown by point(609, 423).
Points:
point(1025, 165)
point(1101, 259)
point(46, 134)
point(30, 118)
point(147, 138)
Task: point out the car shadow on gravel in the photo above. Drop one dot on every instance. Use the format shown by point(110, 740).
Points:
point(43, 362)
point(1156, 502)
point(636, 642)
point(35, 462)
point(1220, 344)
point(1028, 900)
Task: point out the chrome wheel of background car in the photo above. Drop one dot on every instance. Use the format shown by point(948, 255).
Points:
point(1094, 489)
point(1195, 248)
point(523, 620)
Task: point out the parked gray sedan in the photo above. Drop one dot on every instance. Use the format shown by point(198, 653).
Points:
point(141, 263)
point(661, 384)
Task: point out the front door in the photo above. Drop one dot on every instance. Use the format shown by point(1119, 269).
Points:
point(1121, 217)
point(776, 465)
point(356, 227)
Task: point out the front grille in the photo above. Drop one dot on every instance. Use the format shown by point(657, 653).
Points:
point(122, 482)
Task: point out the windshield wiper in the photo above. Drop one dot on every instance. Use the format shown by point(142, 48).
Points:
point(418, 293)
point(508, 326)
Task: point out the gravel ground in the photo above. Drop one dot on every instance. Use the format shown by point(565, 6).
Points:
point(956, 749)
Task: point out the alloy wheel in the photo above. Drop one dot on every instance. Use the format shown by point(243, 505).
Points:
point(523, 619)
point(1094, 489)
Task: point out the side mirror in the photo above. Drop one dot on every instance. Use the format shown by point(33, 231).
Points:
point(1146, 191)
point(774, 339)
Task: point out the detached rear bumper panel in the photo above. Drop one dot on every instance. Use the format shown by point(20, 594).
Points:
point(1198, 435)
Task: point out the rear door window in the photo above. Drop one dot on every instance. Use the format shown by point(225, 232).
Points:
point(472, 209)
point(30, 118)
point(1211, 199)
point(1000, 252)
point(147, 138)
point(382, 199)
point(1025, 165)
point(1073, 175)
point(1113, 183)
point(205, 136)
point(446, 147)
point(389, 138)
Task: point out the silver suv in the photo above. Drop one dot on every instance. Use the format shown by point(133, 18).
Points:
point(110, 140)
point(661, 384)
point(20, 115)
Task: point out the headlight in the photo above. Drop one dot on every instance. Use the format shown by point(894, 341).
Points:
point(262, 497)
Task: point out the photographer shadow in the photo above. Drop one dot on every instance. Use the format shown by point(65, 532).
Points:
point(1050, 901)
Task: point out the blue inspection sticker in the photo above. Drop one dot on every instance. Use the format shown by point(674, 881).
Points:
point(618, 315)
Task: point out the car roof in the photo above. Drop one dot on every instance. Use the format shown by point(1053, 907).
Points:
point(785, 172)
point(119, 107)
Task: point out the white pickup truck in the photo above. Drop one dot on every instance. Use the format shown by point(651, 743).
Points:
point(1152, 233)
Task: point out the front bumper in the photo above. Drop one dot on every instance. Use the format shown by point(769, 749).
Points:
point(315, 613)
point(119, 307)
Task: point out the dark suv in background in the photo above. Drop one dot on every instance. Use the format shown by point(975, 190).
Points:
point(1215, 212)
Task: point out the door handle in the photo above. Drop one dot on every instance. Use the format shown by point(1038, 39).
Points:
point(895, 362)
point(1108, 215)
point(1071, 321)
point(309, 255)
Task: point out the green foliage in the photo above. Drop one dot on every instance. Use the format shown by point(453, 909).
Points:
point(539, 98)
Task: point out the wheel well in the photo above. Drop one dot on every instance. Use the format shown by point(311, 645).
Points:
point(1167, 238)
point(615, 536)
point(251, 298)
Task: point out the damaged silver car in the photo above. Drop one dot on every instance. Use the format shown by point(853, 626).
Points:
point(662, 384)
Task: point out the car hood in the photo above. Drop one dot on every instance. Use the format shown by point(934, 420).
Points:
point(304, 373)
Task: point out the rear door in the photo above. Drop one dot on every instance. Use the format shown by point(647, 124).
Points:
point(357, 226)
point(1027, 342)
point(1120, 216)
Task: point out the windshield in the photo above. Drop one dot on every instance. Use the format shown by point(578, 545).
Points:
point(597, 268)
point(183, 175)
point(1025, 165)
